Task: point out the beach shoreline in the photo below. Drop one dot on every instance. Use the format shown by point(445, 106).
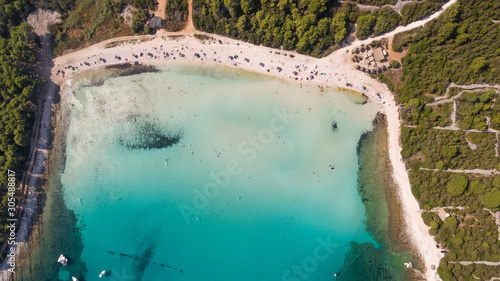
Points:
point(334, 70)
point(337, 72)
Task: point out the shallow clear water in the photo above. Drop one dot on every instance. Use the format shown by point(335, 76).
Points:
point(234, 184)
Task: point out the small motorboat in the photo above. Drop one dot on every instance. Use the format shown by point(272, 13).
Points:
point(63, 260)
point(102, 273)
point(73, 278)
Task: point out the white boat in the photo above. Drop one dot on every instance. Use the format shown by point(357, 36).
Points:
point(102, 273)
point(63, 260)
point(73, 278)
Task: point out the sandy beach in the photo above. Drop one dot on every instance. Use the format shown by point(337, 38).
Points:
point(334, 70)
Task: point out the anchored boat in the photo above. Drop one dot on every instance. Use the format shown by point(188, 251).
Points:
point(63, 260)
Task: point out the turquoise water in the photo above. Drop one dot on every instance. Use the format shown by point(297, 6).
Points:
point(198, 173)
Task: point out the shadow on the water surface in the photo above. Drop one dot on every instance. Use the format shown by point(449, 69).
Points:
point(141, 132)
point(122, 70)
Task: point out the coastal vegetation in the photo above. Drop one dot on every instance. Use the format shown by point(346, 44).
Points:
point(451, 49)
point(314, 27)
point(87, 22)
point(416, 113)
point(438, 189)
point(61, 6)
point(376, 2)
point(17, 88)
point(401, 40)
point(417, 10)
point(460, 47)
point(473, 108)
point(310, 27)
point(139, 17)
point(457, 233)
point(143, 4)
point(495, 115)
point(376, 23)
point(447, 149)
point(176, 14)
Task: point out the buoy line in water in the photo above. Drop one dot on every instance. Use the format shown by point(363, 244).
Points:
point(139, 258)
point(357, 256)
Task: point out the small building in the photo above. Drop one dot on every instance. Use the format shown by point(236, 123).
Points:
point(157, 23)
point(379, 55)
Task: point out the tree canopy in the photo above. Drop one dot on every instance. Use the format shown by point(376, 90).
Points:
point(17, 87)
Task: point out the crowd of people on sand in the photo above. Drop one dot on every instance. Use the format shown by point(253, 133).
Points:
point(299, 72)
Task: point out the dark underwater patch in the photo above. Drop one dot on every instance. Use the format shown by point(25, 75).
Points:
point(142, 133)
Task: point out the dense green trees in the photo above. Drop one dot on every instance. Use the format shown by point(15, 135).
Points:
point(386, 20)
point(10, 14)
point(376, 2)
point(62, 6)
point(139, 17)
point(309, 26)
point(438, 189)
point(437, 58)
point(143, 4)
point(460, 46)
point(364, 25)
point(491, 199)
point(427, 147)
point(414, 11)
point(473, 108)
point(457, 183)
point(17, 86)
point(495, 115)
point(469, 235)
point(176, 13)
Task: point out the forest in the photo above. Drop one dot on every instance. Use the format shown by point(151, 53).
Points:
point(313, 27)
point(176, 15)
point(447, 149)
point(17, 88)
point(414, 11)
point(473, 109)
point(470, 235)
point(376, 2)
point(461, 47)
